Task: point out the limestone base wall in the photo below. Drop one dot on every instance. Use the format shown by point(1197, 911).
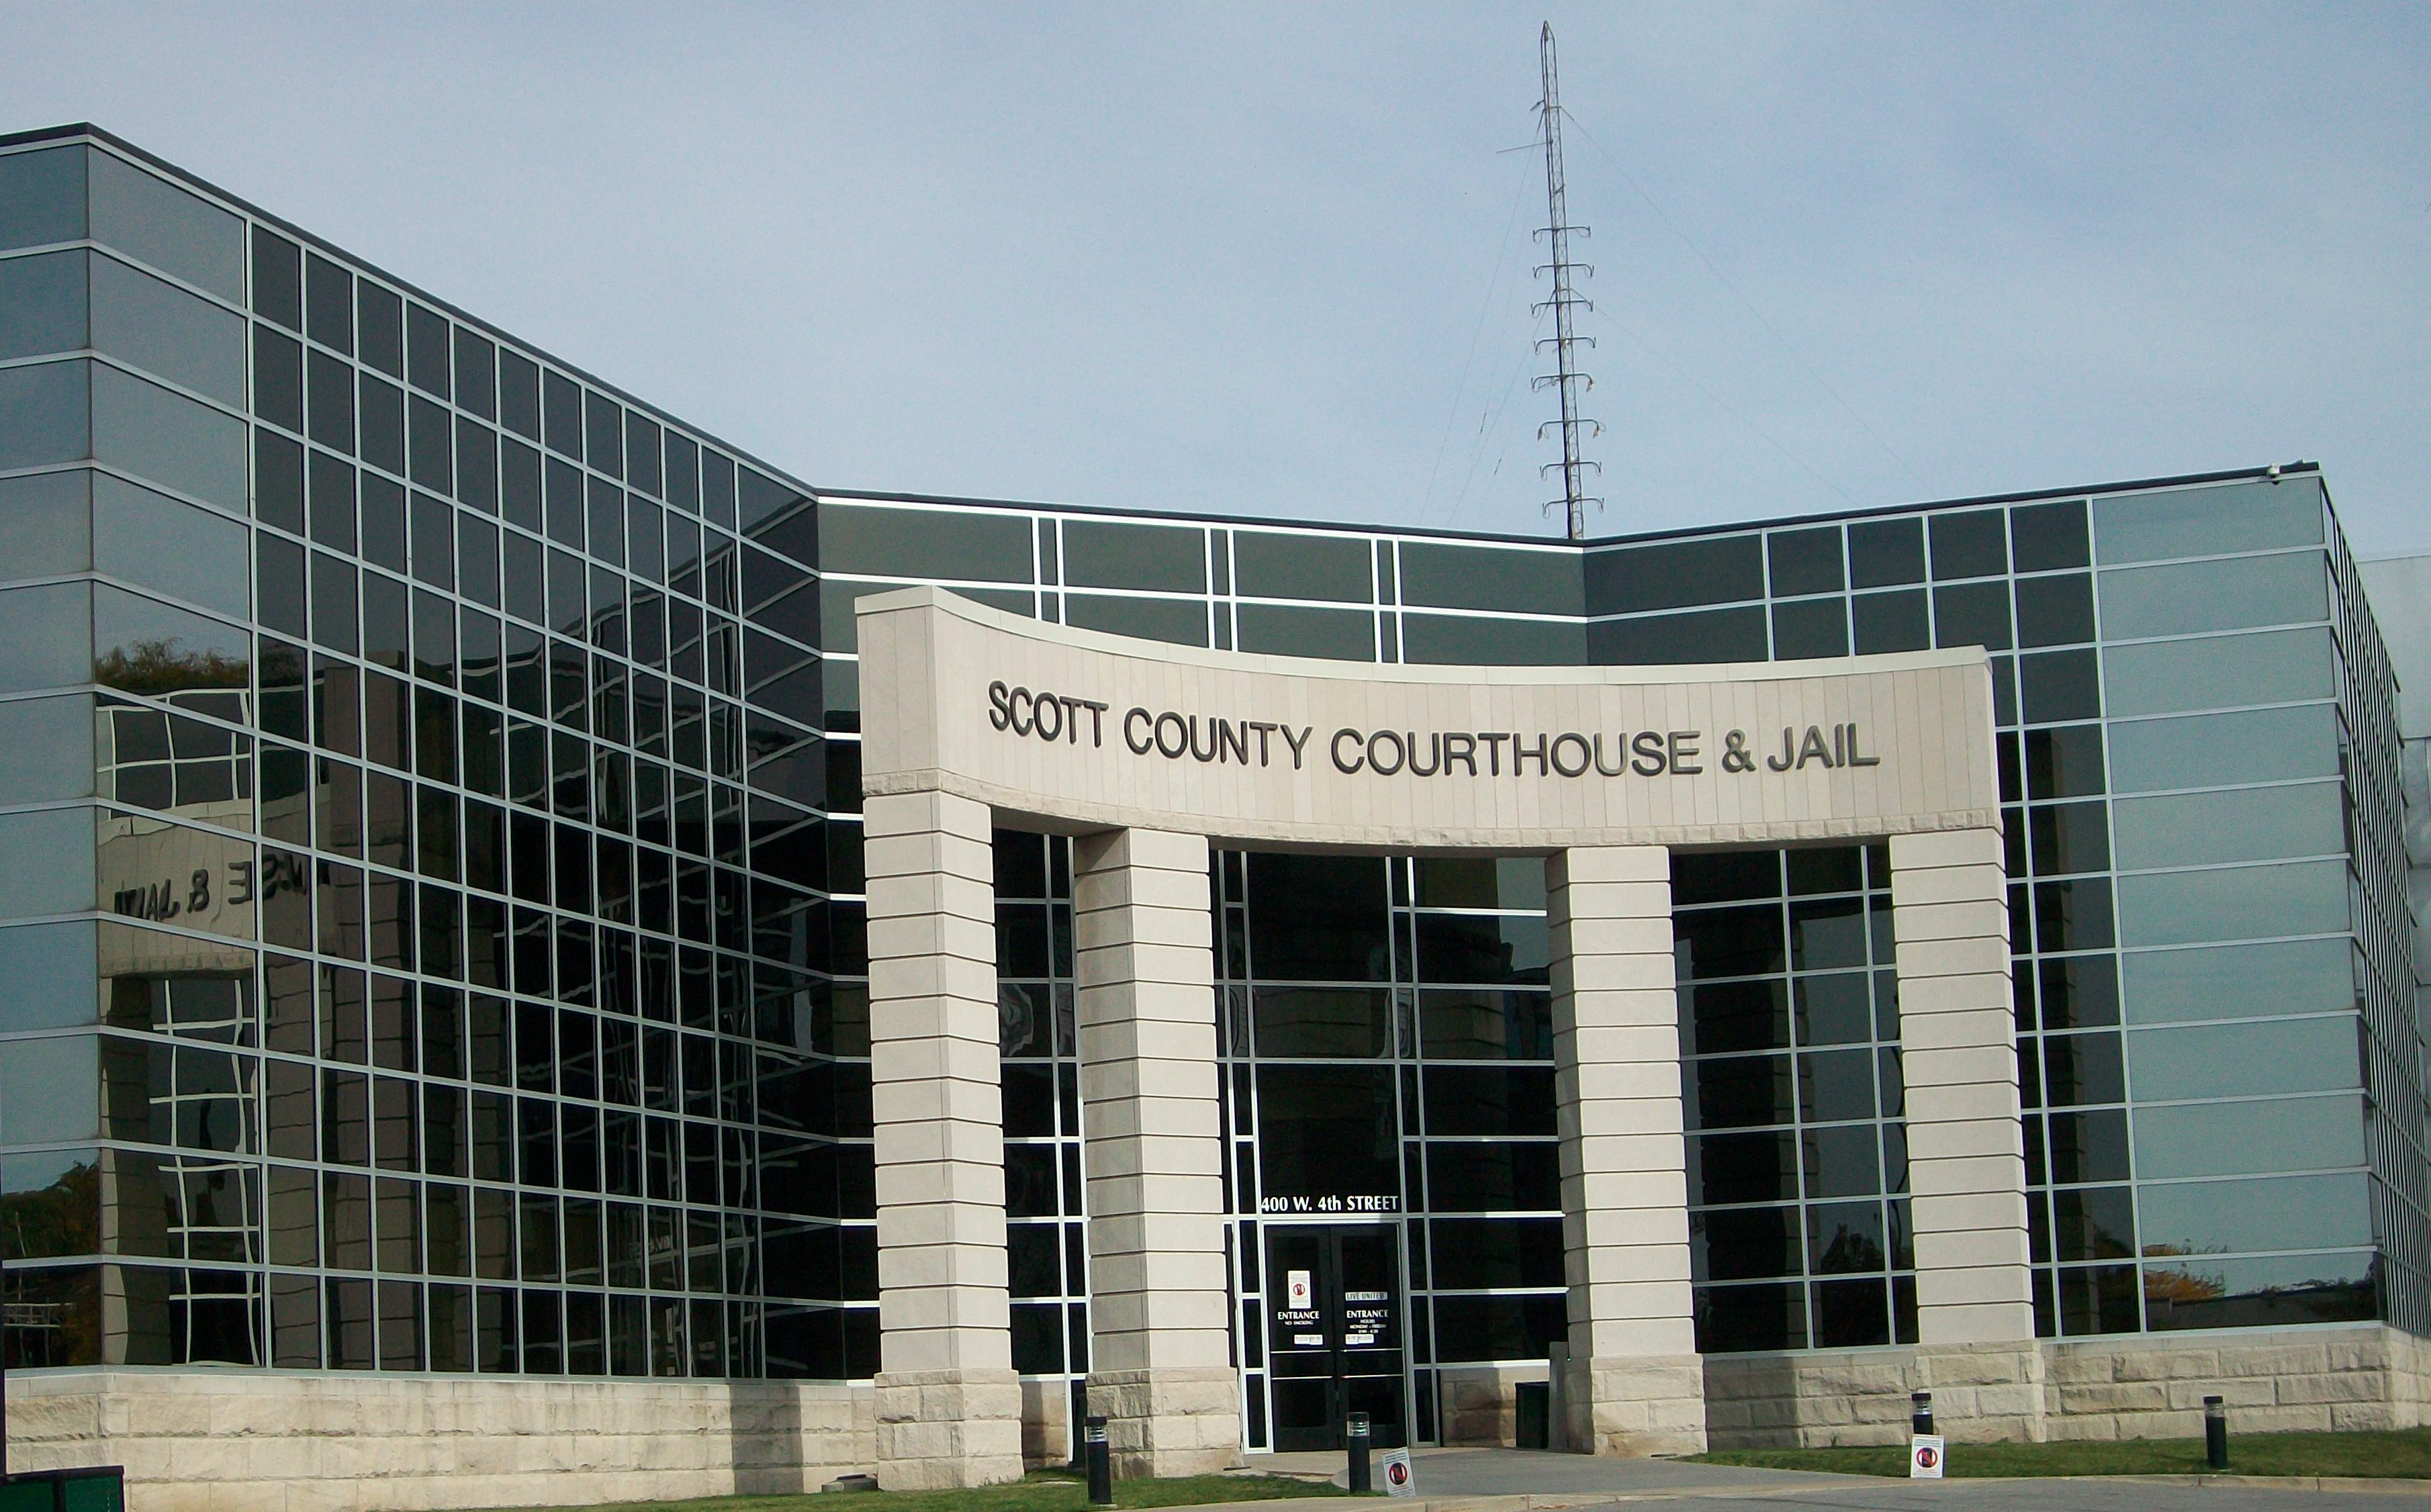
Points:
point(1479, 1405)
point(2144, 1386)
point(195, 1441)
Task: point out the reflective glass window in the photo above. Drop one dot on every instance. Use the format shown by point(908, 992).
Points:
point(176, 232)
point(42, 196)
point(2217, 750)
point(2191, 598)
point(42, 304)
point(2311, 1055)
point(2207, 522)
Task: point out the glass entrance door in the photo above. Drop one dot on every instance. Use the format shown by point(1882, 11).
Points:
point(1333, 1332)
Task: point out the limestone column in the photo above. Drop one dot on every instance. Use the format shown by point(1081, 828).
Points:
point(1160, 1368)
point(1636, 1384)
point(948, 1405)
point(1966, 1175)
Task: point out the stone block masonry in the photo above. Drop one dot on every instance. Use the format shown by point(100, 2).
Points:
point(253, 1441)
point(2354, 1376)
point(948, 1406)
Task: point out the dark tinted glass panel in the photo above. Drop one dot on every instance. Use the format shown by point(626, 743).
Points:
point(1181, 621)
point(1488, 1176)
point(1330, 1131)
point(278, 277)
point(328, 303)
point(1443, 640)
point(1817, 628)
point(1743, 1167)
point(278, 379)
point(1889, 621)
point(1713, 635)
point(1328, 1023)
point(2054, 612)
point(1974, 545)
point(2059, 684)
point(2046, 536)
point(1495, 1100)
point(1976, 614)
point(1725, 877)
point(605, 427)
point(1318, 919)
point(924, 544)
point(1343, 635)
point(380, 328)
point(519, 394)
point(1478, 1255)
point(1676, 575)
point(1302, 567)
point(1742, 941)
point(1883, 551)
point(561, 414)
point(1497, 1328)
point(1805, 561)
point(1477, 577)
point(1721, 1018)
point(1100, 553)
point(1479, 948)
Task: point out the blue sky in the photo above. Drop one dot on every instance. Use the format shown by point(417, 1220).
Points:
point(1275, 260)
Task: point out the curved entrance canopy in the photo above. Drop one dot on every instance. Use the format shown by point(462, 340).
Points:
point(975, 720)
point(1077, 730)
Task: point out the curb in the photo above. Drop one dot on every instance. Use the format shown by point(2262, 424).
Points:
point(1564, 1501)
point(2388, 1485)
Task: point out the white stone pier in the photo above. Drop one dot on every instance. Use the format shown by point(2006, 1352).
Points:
point(1636, 1382)
point(1159, 1371)
point(1975, 1321)
point(948, 1411)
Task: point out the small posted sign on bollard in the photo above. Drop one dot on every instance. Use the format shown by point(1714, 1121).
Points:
point(1925, 1452)
point(1925, 1449)
point(1398, 1480)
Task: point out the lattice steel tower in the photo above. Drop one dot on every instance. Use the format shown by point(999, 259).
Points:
point(1566, 376)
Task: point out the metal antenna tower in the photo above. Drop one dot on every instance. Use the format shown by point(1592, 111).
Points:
point(1566, 376)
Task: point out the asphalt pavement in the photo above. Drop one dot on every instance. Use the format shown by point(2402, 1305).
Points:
point(1581, 1481)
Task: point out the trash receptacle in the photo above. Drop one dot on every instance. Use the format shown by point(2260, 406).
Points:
point(1532, 1400)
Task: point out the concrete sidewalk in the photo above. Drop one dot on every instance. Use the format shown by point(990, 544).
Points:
point(1505, 1480)
point(1550, 1480)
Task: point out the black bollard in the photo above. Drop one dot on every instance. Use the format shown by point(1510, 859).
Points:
point(1101, 1462)
point(1919, 1419)
point(2216, 1431)
point(1355, 1432)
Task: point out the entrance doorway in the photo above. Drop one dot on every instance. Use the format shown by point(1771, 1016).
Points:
point(1333, 1332)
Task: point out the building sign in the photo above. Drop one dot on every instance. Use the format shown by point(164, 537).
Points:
point(1170, 735)
point(1065, 728)
point(1355, 1203)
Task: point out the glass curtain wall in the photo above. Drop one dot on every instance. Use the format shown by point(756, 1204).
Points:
point(464, 956)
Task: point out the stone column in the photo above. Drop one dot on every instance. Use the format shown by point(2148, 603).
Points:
point(948, 1405)
point(1160, 1368)
point(1636, 1384)
point(1966, 1175)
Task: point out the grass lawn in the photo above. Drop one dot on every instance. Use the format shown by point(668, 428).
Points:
point(2403, 1453)
point(1045, 1491)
